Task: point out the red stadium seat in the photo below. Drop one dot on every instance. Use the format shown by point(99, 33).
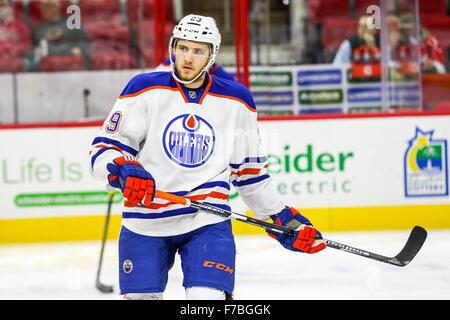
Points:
point(19, 10)
point(145, 33)
point(110, 48)
point(360, 6)
point(145, 41)
point(62, 63)
point(35, 16)
point(115, 39)
point(139, 10)
point(97, 13)
point(11, 65)
point(148, 55)
point(335, 31)
point(141, 17)
point(142, 11)
point(432, 8)
point(323, 9)
point(113, 62)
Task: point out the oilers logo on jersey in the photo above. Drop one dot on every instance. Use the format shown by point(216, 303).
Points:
point(189, 140)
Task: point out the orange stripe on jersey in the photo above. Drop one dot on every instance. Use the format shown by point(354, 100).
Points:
point(147, 89)
point(212, 194)
point(108, 147)
point(206, 90)
point(154, 206)
point(233, 98)
point(181, 90)
point(247, 171)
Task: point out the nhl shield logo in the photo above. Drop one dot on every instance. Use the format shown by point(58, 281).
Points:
point(189, 140)
point(192, 94)
point(127, 266)
point(425, 166)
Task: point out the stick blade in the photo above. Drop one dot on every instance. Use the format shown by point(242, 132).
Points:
point(412, 247)
point(104, 288)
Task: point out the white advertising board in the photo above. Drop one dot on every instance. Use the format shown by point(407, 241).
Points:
point(360, 162)
point(45, 172)
point(322, 163)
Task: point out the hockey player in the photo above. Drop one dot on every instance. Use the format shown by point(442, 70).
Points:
point(188, 133)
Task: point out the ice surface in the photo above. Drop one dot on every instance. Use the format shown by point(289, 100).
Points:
point(264, 270)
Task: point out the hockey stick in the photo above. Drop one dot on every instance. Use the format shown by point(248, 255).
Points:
point(98, 284)
point(413, 244)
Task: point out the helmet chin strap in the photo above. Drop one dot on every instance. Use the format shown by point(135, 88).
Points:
point(174, 73)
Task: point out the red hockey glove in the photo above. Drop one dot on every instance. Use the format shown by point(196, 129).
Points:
point(306, 238)
point(127, 174)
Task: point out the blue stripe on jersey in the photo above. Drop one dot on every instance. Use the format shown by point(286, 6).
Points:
point(248, 160)
point(234, 89)
point(169, 213)
point(165, 214)
point(148, 80)
point(115, 143)
point(212, 184)
point(250, 181)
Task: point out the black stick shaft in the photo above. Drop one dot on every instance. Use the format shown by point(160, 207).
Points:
point(98, 284)
point(105, 234)
point(412, 246)
point(243, 218)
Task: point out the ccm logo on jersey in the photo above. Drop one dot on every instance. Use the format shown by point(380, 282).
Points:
point(189, 140)
point(220, 266)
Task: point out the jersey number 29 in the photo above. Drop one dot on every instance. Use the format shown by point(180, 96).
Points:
point(114, 122)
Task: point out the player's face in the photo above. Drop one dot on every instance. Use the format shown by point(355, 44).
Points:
point(190, 58)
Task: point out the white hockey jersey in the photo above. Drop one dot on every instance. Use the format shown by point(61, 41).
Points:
point(194, 143)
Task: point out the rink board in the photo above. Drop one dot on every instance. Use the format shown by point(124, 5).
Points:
point(333, 219)
point(344, 173)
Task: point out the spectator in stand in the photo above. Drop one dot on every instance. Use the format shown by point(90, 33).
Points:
point(433, 60)
point(363, 37)
point(432, 56)
point(393, 33)
point(52, 37)
point(15, 38)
